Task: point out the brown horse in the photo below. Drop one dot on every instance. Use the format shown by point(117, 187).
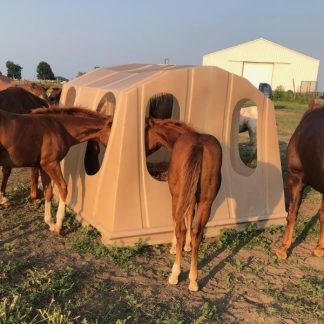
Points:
point(19, 101)
point(305, 160)
point(51, 132)
point(54, 96)
point(194, 179)
point(34, 88)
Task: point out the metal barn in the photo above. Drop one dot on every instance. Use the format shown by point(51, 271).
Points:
point(261, 60)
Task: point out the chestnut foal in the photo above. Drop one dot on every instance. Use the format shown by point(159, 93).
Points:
point(194, 179)
point(19, 101)
point(42, 139)
point(305, 160)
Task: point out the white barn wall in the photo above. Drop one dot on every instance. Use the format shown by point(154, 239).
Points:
point(288, 65)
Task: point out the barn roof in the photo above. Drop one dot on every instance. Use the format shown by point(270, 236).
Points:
point(260, 43)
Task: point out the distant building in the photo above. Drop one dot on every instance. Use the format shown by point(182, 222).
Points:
point(263, 61)
point(60, 79)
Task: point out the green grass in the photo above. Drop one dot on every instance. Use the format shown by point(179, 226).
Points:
point(288, 116)
point(304, 297)
point(30, 294)
point(87, 240)
point(250, 237)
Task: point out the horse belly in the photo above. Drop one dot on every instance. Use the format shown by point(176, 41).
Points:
point(306, 156)
point(18, 158)
point(313, 166)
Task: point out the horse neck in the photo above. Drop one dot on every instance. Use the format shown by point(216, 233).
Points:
point(84, 128)
point(168, 135)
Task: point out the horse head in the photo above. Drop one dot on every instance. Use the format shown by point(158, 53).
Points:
point(151, 137)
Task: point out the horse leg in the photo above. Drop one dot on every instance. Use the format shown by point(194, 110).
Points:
point(252, 134)
point(188, 221)
point(253, 139)
point(180, 231)
point(55, 172)
point(173, 248)
point(48, 194)
point(295, 188)
point(34, 173)
point(319, 250)
point(6, 171)
point(203, 212)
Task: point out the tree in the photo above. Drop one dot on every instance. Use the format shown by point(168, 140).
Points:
point(44, 71)
point(13, 70)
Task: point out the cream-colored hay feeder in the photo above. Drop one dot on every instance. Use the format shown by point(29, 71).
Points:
point(122, 200)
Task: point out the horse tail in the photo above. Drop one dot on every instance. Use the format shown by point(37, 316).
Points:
point(190, 178)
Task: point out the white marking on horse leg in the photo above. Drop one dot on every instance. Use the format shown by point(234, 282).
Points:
point(3, 199)
point(47, 213)
point(176, 270)
point(59, 216)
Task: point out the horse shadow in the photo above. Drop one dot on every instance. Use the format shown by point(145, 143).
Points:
point(304, 233)
point(241, 209)
point(211, 274)
point(298, 240)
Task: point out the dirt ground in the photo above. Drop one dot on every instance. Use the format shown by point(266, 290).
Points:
point(73, 278)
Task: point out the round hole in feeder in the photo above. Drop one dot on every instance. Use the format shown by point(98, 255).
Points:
point(70, 97)
point(95, 151)
point(244, 137)
point(161, 106)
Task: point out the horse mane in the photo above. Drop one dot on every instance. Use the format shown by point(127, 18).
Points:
point(160, 105)
point(156, 100)
point(173, 124)
point(72, 111)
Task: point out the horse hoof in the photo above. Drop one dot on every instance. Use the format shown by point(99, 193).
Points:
point(281, 253)
point(193, 286)
point(54, 229)
point(187, 248)
point(36, 201)
point(173, 250)
point(173, 280)
point(6, 204)
point(319, 251)
point(4, 201)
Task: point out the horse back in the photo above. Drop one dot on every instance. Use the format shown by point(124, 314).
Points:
point(197, 148)
point(186, 147)
point(19, 101)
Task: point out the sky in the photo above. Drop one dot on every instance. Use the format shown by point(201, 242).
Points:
point(76, 35)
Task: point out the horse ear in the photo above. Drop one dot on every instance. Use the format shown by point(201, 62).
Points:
point(150, 122)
